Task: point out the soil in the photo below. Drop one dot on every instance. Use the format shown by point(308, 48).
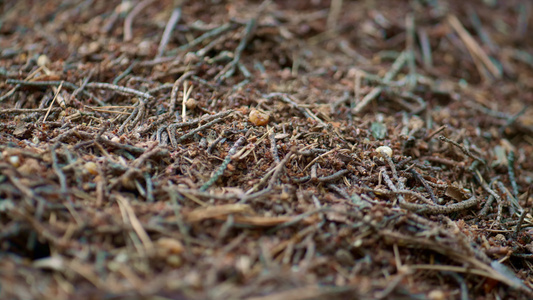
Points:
point(266, 149)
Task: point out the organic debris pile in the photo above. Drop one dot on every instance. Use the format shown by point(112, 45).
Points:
point(266, 149)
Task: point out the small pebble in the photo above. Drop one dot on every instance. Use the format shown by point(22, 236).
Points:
point(14, 160)
point(258, 118)
point(191, 103)
point(91, 167)
point(384, 150)
point(43, 61)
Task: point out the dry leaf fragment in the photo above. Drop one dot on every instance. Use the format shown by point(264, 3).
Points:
point(211, 212)
point(261, 221)
point(170, 246)
point(457, 193)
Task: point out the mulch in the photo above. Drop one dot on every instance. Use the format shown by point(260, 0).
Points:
point(266, 149)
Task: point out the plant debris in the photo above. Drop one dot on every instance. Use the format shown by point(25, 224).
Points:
point(266, 149)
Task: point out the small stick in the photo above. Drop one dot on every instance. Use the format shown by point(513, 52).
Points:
point(110, 22)
point(524, 10)
point(119, 89)
point(149, 187)
point(301, 179)
point(311, 152)
point(28, 110)
point(128, 35)
point(192, 132)
point(52, 103)
point(313, 172)
point(158, 133)
point(390, 184)
point(165, 86)
point(207, 35)
point(171, 130)
point(11, 92)
point(244, 70)
point(204, 82)
point(426, 186)
point(152, 151)
point(319, 157)
point(98, 136)
point(523, 214)
point(186, 94)
point(514, 204)
point(140, 114)
point(65, 84)
point(175, 87)
point(513, 118)
point(262, 181)
point(487, 111)
point(186, 124)
point(98, 109)
point(215, 142)
point(334, 176)
point(463, 148)
point(174, 19)
point(399, 192)
point(346, 49)
point(302, 216)
point(125, 73)
point(129, 216)
point(473, 47)
point(441, 160)
point(273, 146)
point(392, 166)
point(395, 68)
point(357, 89)
point(218, 41)
point(510, 171)
point(481, 32)
point(28, 192)
point(57, 169)
point(335, 10)
point(279, 168)
point(339, 191)
point(153, 122)
point(230, 68)
point(83, 85)
point(437, 185)
point(486, 187)
point(285, 98)
point(366, 99)
point(426, 48)
point(431, 135)
point(224, 164)
point(341, 100)
point(486, 206)
point(429, 209)
point(409, 49)
point(128, 119)
point(109, 143)
point(440, 209)
point(392, 283)
point(400, 96)
point(415, 194)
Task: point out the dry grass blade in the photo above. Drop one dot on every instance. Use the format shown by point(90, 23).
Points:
point(475, 49)
point(303, 164)
point(131, 218)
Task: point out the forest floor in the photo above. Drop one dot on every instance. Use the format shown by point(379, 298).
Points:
point(266, 150)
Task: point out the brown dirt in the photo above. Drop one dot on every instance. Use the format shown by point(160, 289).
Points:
point(242, 161)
